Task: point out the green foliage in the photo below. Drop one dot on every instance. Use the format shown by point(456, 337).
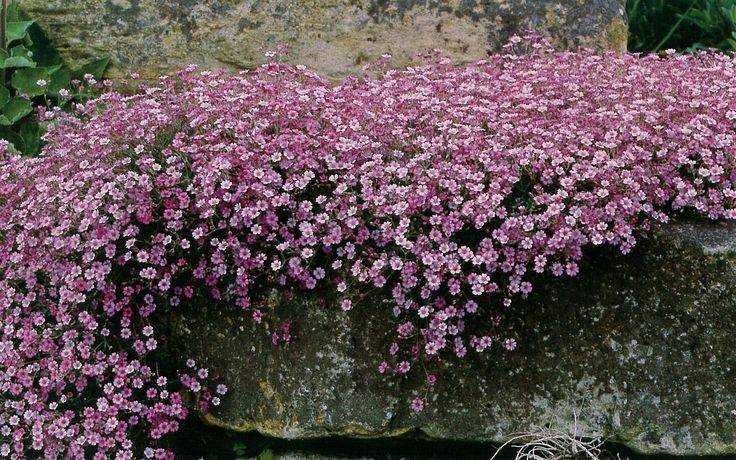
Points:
point(16, 30)
point(240, 450)
point(717, 21)
point(32, 74)
point(265, 455)
point(684, 25)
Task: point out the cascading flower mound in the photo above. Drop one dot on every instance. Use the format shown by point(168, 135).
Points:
point(440, 190)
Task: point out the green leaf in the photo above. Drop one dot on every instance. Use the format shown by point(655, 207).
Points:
point(96, 68)
point(60, 79)
point(4, 96)
point(44, 51)
point(14, 110)
point(17, 62)
point(12, 137)
point(20, 56)
point(21, 50)
point(26, 80)
point(30, 132)
point(15, 13)
point(16, 30)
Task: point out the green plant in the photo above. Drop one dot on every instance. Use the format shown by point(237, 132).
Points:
point(717, 20)
point(656, 23)
point(240, 450)
point(266, 455)
point(685, 25)
point(32, 74)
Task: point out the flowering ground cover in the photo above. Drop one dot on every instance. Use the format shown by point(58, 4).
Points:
point(444, 189)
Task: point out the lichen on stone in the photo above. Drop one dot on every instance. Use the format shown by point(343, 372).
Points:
point(335, 37)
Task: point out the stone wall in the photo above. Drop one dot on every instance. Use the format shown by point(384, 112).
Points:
point(335, 37)
point(639, 349)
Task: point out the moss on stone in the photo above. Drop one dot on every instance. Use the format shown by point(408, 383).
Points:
point(616, 35)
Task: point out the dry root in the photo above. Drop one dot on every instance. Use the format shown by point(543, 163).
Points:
point(553, 444)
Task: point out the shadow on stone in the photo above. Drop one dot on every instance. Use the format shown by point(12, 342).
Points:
point(638, 348)
point(201, 441)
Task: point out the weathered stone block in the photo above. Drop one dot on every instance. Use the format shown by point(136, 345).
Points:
point(638, 348)
point(334, 37)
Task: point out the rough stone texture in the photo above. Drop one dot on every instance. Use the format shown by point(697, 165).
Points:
point(638, 348)
point(334, 37)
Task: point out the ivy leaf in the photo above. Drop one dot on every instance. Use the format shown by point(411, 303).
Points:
point(26, 80)
point(14, 110)
point(16, 30)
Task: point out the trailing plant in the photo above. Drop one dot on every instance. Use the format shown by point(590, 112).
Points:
point(32, 75)
point(441, 192)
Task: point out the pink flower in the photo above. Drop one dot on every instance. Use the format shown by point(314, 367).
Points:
point(417, 404)
point(431, 193)
point(403, 367)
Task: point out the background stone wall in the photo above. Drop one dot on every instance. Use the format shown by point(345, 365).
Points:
point(335, 37)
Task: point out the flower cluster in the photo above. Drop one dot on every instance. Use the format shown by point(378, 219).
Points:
point(444, 190)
